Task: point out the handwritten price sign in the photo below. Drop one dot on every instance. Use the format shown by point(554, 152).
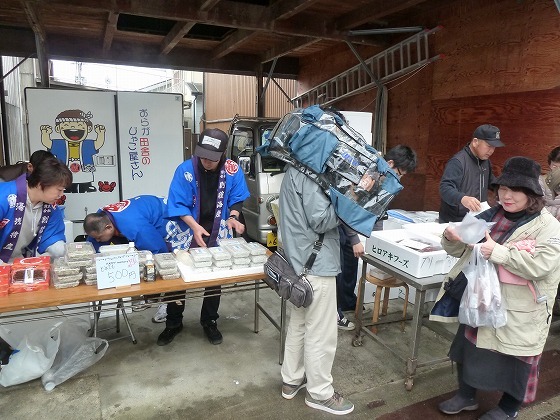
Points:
point(117, 270)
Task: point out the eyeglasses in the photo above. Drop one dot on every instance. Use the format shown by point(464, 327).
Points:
point(399, 172)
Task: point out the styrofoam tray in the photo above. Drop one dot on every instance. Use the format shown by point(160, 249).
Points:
point(189, 275)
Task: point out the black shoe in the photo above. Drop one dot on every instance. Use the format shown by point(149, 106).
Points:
point(212, 332)
point(168, 335)
point(457, 404)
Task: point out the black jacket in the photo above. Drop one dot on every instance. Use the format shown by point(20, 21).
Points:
point(464, 174)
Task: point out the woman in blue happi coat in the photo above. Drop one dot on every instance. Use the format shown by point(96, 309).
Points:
point(30, 222)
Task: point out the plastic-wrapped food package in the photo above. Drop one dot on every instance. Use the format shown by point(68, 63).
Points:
point(167, 271)
point(79, 254)
point(260, 259)
point(237, 251)
point(231, 241)
point(239, 266)
point(319, 143)
point(30, 274)
point(62, 269)
point(143, 256)
point(4, 279)
point(200, 254)
point(90, 279)
point(79, 251)
point(242, 261)
point(222, 264)
point(219, 253)
point(64, 276)
point(255, 248)
point(170, 276)
point(165, 260)
point(113, 249)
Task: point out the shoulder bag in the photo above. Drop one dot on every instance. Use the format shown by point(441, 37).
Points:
point(283, 279)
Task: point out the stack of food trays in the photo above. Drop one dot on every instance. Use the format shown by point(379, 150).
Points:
point(90, 272)
point(239, 254)
point(201, 260)
point(79, 254)
point(166, 266)
point(257, 253)
point(221, 258)
point(64, 276)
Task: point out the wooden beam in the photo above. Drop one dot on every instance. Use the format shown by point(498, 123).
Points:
point(78, 49)
point(229, 14)
point(30, 8)
point(175, 35)
point(110, 30)
point(287, 47)
point(42, 57)
point(284, 9)
point(375, 10)
point(232, 42)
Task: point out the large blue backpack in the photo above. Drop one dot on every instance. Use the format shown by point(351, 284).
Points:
point(320, 144)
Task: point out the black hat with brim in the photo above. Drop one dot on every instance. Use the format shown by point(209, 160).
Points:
point(521, 172)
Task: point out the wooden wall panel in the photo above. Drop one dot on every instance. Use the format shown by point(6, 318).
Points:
point(501, 66)
point(529, 123)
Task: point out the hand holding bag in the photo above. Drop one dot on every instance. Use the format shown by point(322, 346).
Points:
point(482, 304)
point(283, 279)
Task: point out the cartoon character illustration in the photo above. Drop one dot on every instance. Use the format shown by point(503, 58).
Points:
point(73, 147)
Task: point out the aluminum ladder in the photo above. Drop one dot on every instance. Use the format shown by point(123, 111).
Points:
point(402, 58)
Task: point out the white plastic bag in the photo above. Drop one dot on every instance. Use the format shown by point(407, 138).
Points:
point(471, 230)
point(481, 304)
point(35, 355)
point(76, 353)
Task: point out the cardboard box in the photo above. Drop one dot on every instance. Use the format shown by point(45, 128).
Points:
point(384, 245)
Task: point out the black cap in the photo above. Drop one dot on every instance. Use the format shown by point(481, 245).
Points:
point(212, 144)
point(489, 133)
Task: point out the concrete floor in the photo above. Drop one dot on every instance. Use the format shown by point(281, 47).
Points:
point(239, 379)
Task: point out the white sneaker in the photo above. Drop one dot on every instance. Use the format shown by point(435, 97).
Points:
point(161, 314)
point(345, 324)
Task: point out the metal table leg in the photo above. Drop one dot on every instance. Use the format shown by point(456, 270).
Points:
point(257, 294)
point(120, 306)
point(412, 361)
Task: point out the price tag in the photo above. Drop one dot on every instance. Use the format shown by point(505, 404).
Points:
point(117, 270)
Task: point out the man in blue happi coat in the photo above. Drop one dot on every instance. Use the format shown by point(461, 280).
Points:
point(207, 193)
point(142, 220)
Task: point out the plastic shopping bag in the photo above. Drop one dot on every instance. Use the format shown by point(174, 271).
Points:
point(76, 353)
point(34, 356)
point(471, 229)
point(481, 304)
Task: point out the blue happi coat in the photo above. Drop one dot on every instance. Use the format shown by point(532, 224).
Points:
point(183, 191)
point(143, 220)
point(54, 230)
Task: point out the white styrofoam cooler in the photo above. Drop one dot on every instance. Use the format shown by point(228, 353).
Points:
point(384, 246)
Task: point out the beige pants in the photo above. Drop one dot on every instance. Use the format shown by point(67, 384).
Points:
point(311, 340)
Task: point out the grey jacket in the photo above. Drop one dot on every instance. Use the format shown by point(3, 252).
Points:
point(305, 212)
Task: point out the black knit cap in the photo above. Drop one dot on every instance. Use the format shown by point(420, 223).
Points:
point(520, 171)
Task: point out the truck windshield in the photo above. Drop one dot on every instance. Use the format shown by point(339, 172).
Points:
point(269, 164)
point(243, 144)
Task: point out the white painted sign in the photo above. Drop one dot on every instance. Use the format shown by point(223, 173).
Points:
point(117, 270)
